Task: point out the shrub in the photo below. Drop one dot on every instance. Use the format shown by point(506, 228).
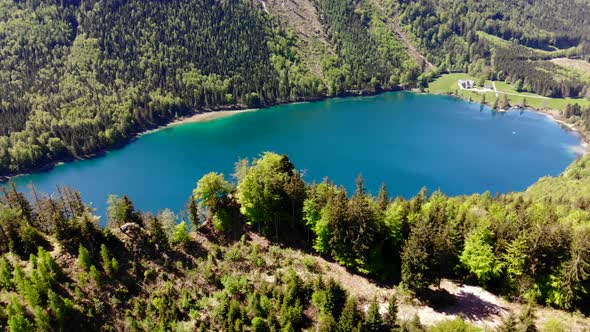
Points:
point(95, 275)
point(19, 323)
point(106, 260)
point(234, 285)
point(84, 259)
point(258, 324)
point(31, 238)
point(555, 325)
point(457, 324)
point(233, 254)
point(6, 275)
point(180, 237)
point(115, 265)
point(42, 319)
point(311, 264)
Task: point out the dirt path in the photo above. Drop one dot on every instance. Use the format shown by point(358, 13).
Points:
point(474, 304)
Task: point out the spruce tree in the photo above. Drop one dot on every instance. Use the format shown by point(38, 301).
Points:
point(338, 225)
point(527, 319)
point(193, 213)
point(157, 235)
point(84, 258)
point(392, 310)
point(373, 321)
point(504, 104)
point(509, 324)
point(350, 317)
point(383, 197)
point(5, 275)
point(417, 257)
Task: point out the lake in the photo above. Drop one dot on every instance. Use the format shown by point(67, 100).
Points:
point(403, 139)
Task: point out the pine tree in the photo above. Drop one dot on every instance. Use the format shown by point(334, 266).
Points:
point(181, 235)
point(527, 319)
point(84, 259)
point(337, 223)
point(383, 197)
point(5, 275)
point(42, 319)
point(350, 317)
point(373, 321)
point(106, 260)
point(18, 322)
point(157, 235)
point(392, 310)
point(417, 257)
point(258, 324)
point(364, 230)
point(193, 213)
point(504, 104)
point(121, 211)
point(509, 324)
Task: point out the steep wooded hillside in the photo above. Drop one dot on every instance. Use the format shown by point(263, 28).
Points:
point(271, 253)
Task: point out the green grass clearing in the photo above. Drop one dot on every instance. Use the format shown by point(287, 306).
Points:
point(447, 84)
point(536, 51)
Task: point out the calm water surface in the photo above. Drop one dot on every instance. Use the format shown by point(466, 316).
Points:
point(402, 139)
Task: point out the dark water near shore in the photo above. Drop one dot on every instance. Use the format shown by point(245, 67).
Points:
point(402, 139)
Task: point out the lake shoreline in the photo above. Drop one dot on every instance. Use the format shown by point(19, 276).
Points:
point(200, 115)
point(210, 114)
point(553, 114)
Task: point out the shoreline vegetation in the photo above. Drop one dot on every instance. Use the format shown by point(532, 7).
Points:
point(553, 113)
point(97, 91)
point(210, 114)
point(200, 115)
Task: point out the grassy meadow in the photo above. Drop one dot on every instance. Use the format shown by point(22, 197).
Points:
point(447, 84)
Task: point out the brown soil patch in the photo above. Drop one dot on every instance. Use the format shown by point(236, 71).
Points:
point(579, 65)
point(303, 18)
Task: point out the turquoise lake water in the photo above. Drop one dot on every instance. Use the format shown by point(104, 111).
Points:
point(403, 139)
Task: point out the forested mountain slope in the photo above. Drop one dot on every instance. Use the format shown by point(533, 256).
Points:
point(266, 247)
point(454, 34)
point(77, 77)
point(81, 76)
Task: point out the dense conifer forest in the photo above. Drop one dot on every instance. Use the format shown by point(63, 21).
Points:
point(251, 252)
point(240, 256)
point(77, 77)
